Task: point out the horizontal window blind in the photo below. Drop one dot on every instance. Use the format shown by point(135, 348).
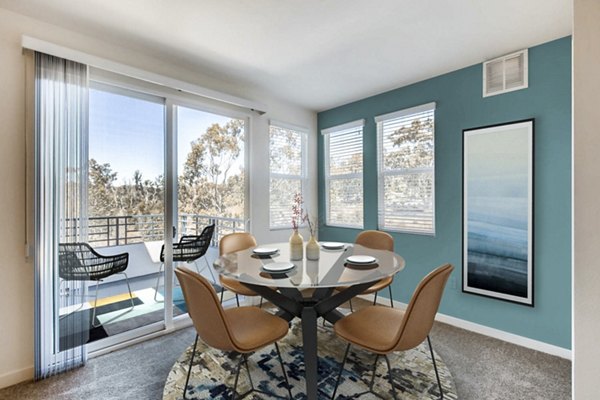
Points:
point(406, 170)
point(344, 175)
point(287, 172)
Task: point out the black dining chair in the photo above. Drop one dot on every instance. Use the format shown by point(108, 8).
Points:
point(80, 262)
point(189, 249)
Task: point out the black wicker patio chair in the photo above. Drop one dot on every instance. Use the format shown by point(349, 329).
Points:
point(190, 249)
point(80, 262)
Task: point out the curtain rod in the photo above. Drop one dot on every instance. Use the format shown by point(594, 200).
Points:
point(74, 55)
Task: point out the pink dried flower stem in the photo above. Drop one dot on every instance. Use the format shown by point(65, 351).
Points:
point(297, 211)
point(299, 215)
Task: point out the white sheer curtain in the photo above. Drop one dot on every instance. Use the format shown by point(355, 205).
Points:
point(61, 161)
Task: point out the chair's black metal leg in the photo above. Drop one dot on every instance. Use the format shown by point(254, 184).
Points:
point(261, 301)
point(375, 299)
point(391, 298)
point(237, 376)
point(187, 380)
point(129, 288)
point(337, 382)
point(174, 277)
point(390, 376)
point(374, 369)
point(437, 375)
point(248, 370)
point(243, 358)
point(198, 270)
point(212, 274)
point(66, 295)
point(95, 305)
point(222, 291)
point(351, 309)
point(287, 383)
point(237, 299)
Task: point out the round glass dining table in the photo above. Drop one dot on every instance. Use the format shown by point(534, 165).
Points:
point(284, 282)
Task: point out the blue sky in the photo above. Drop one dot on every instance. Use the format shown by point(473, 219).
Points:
point(128, 133)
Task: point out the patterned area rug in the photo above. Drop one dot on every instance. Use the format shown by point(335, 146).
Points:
point(213, 372)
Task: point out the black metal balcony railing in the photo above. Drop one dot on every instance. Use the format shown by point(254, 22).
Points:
point(130, 229)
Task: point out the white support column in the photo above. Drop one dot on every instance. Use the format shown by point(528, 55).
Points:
point(586, 199)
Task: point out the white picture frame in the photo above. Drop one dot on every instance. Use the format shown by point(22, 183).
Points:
point(498, 211)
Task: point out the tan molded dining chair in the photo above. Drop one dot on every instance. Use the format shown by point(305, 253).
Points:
point(230, 244)
point(383, 330)
point(380, 241)
point(242, 330)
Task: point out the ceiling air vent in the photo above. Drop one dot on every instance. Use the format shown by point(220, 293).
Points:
point(505, 74)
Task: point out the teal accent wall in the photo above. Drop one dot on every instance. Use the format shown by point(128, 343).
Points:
point(460, 105)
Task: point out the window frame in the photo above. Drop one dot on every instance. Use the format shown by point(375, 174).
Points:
point(382, 174)
point(303, 177)
point(350, 127)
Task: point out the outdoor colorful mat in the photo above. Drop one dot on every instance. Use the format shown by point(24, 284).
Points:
point(213, 371)
point(115, 315)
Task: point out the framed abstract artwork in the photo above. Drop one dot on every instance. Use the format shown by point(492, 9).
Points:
point(498, 211)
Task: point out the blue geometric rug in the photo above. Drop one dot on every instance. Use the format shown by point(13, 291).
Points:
point(213, 371)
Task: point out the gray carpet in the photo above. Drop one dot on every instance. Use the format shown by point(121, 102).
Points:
point(490, 369)
point(483, 368)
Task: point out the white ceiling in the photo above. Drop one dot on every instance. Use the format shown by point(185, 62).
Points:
point(314, 53)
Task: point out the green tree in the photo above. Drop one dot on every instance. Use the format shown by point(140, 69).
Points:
point(212, 181)
point(205, 185)
point(100, 189)
point(413, 145)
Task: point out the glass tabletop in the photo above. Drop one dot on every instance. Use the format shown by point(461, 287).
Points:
point(331, 270)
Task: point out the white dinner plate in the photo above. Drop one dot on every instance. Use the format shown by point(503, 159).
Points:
point(361, 260)
point(265, 251)
point(332, 245)
point(278, 266)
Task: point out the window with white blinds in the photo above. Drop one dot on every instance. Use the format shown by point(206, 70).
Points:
point(406, 170)
point(344, 174)
point(287, 156)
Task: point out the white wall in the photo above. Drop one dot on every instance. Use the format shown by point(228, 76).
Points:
point(16, 273)
point(586, 176)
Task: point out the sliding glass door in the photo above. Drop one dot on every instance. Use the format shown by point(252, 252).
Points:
point(211, 183)
point(126, 206)
point(160, 169)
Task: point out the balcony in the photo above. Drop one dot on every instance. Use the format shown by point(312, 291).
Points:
point(141, 236)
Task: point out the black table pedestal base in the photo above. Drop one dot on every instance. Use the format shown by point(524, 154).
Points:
point(322, 303)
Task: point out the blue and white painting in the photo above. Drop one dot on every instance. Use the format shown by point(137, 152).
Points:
point(498, 194)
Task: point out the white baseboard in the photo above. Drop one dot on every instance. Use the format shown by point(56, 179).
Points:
point(487, 331)
point(14, 377)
